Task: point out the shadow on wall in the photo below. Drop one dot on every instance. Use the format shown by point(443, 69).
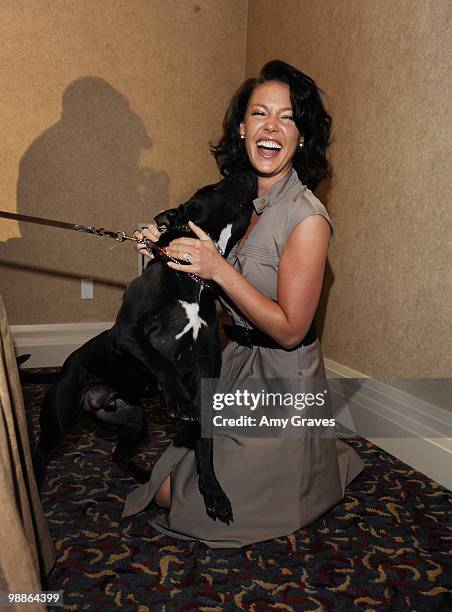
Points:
point(84, 169)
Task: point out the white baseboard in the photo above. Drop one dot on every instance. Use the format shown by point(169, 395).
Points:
point(49, 345)
point(415, 431)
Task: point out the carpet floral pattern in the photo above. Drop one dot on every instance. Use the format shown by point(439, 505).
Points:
point(385, 547)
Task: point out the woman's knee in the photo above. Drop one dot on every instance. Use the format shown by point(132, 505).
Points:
point(163, 495)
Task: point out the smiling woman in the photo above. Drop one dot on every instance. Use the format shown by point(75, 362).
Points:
point(271, 282)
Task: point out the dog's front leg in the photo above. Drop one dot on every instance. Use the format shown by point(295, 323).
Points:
point(216, 500)
point(177, 399)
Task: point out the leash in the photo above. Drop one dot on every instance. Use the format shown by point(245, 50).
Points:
point(119, 236)
point(86, 229)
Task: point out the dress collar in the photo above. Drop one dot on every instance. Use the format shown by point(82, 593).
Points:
point(275, 192)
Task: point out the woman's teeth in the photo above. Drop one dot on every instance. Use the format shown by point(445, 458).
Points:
point(269, 144)
point(268, 148)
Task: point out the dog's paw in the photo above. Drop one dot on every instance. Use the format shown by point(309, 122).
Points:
point(185, 411)
point(181, 407)
point(217, 503)
point(139, 473)
point(190, 413)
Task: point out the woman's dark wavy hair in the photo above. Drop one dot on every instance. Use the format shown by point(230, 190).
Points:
point(310, 117)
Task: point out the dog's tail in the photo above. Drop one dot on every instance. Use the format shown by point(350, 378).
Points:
point(34, 378)
point(40, 457)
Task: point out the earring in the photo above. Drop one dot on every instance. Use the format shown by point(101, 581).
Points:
point(301, 144)
point(242, 136)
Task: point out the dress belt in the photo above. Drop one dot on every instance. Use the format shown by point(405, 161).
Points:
point(255, 337)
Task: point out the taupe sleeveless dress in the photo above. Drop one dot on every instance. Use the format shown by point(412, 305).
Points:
point(275, 485)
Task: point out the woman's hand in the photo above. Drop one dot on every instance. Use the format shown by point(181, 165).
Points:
point(150, 232)
point(200, 253)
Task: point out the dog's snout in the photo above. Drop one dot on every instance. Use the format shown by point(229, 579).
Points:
point(165, 218)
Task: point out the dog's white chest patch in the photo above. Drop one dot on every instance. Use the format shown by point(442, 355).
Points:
point(224, 237)
point(195, 322)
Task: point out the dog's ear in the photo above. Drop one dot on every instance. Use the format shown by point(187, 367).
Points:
point(244, 181)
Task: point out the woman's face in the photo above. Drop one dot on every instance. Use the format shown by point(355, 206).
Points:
point(271, 136)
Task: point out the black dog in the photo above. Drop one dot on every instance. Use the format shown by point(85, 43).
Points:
point(165, 334)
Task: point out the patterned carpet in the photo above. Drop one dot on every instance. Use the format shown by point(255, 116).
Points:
point(385, 547)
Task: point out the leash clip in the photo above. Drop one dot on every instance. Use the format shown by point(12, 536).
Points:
point(121, 236)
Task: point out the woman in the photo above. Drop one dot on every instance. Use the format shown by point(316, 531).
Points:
point(277, 125)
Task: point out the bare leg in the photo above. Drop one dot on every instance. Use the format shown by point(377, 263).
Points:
point(163, 495)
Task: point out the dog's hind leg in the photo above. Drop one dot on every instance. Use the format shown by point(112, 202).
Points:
point(128, 420)
point(129, 441)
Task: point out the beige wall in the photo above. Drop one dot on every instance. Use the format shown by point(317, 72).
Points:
point(386, 68)
point(109, 150)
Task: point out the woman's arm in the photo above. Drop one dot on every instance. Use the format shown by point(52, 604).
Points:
point(300, 279)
